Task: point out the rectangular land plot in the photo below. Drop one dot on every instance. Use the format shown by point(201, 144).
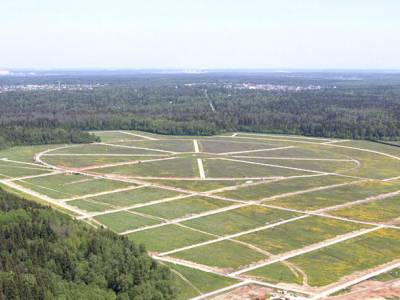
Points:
point(298, 234)
point(227, 255)
point(192, 282)
point(124, 220)
point(89, 205)
point(269, 189)
point(277, 273)
point(8, 169)
point(178, 167)
point(236, 169)
point(134, 196)
point(375, 211)
point(166, 145)
point(183, 207)
point(63, 186)
point(361, 253)
point(223, 146)
point(331, 166)
point(340, 195)
point(25, 153)
point(84, 160)
point(102, 149)
point(240, 219)
point(168, 237)
point(198, 185)
point(115, 136)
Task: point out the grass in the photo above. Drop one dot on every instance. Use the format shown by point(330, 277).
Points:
point(179, 167)
point(276, 273)
point(226, 255)
point(225, 168)
point(135, 196)
point(388, 276)
point(25, 153)
point(62, 186)
point(218, 146)
point(8, 170)
point(90, 206)
point(329, 264)
point(123, 220)
point(167, 145)
point(376, 211)
point(198, 185)
point(200, 282)
point(115, 136)
point(340, 195)
point(239, 219)
point(102, 149)
point(269, 189)
point(183, 207)
point(73, 161)
point(298, 234)
point(168, 237)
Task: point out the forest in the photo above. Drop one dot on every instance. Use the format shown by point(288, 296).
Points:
point(345, 105)
point(47, 255)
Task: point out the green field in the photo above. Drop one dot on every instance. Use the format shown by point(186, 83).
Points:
point(376, 211)
point(159, 199)
point(340, 195)
point(240, 219)
point(269, 189)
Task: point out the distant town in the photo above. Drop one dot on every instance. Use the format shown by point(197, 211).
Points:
point(58, 86)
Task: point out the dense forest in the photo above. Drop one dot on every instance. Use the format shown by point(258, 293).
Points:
point(46, 255)
point(346, 105)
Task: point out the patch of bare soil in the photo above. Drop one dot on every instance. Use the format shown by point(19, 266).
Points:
point(248, 292)
point(372, 290)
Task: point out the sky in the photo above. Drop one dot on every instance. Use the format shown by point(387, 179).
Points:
point(200, 34)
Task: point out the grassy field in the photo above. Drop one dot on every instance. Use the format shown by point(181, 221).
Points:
point(340, 195)
point(225, 255)
point(274, 188)
point(240, 219)
point(298, 234)
point(177, 167)
point(226, 168)
point(168, 237)
point(367, 251)
point(244, 180)
point(376, 211)
point(62, 186)
point(194, 283)
point(183, 207)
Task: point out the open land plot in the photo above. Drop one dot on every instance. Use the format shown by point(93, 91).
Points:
point(269, 189)
point(314, 165)
point(8, 169)
point(125, 220)
point(358, 254)
point(198, 185)
point(25, 153)
point(166, 145)
point(223, 146)
point(284, 137)
point(102, 149)
point(299, 151)
point(62, 186)
point(299, 233)
point(227, 168)
point(176, 167)
point(183, 207)
point(372, 165)
point(227, 255)
point(375, 211)
point(388, 149)
point(277, 273)
point(90, 205)
point(115, 136)
point(240, 219)
point(77, 161)
point(168, 237)
point(192, 283)
point(132, 197)
point(336, 196)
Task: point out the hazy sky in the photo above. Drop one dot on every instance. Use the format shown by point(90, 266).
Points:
point(187, 34)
